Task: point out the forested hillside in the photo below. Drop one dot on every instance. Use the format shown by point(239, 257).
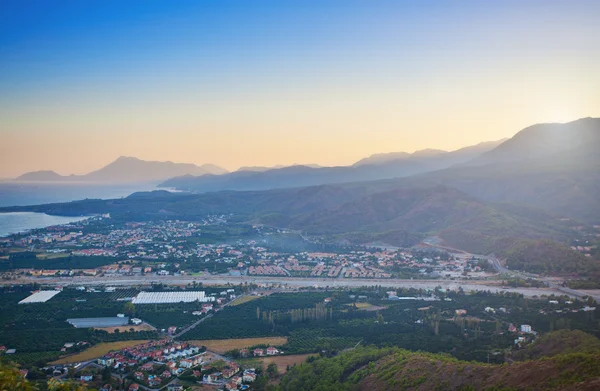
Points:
point(396, 369)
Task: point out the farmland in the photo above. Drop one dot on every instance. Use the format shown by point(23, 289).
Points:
point(282, 362)
point(97, 351)
point(224, 345)
point(244, 299)
point(141, 327)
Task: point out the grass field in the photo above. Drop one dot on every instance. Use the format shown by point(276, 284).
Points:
point(244, 299)
point(141, 327)
point(223, 345)
point(281, 361)
point(97, 351)
point(367, 306)
point(360, 305)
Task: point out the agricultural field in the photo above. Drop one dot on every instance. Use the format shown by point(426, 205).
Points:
point(244, 299)
point(35, 358)
point(360, 306)
point(282, 362)
point(141, 327)
point(224, 345)
point(97, 351)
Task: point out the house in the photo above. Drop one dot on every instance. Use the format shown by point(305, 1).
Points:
point(24, 373)
point(231, 386)
point(214, 376)
point(227, 373)
point(271, 351)
point(147, 367)
point(259, 352)
point(185, 363)
point(136, 321)
point(86, 378)
point(512, 328)
point(244, 352)
point(460, 312)
point(249, 377)
point(106, 387)
point(134, 387)
point(237, 380)
point(107, 362)
point(525, 328)
point(138, 376)
point(171, 330)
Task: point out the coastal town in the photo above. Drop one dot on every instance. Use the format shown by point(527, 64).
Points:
point(96, 247)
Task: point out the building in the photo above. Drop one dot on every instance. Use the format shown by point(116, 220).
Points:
point(185, 363)
point(258, 352)
point(525, 328)
point(271, 351)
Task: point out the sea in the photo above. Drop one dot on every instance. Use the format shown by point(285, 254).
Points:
point(20, 194)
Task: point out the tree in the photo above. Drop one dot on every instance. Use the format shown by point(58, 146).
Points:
point(106, 374)
point(129, 308)
point(11, 379)
point(272, 371)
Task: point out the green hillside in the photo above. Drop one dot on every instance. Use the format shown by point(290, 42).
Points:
point(396, 369)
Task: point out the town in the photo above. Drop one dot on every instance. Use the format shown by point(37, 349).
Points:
point(98, 248)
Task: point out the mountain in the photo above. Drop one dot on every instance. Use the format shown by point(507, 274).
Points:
point(293, 176)
point(528, 238)
point(38, 176)
point(258, 168)
point(559, 342)
point(435, 157)
point(565, 182)
point(264, 168)
point(522, 210)
point(542, 140)
point(377, 167)
point(397, 369)
point(129, 169)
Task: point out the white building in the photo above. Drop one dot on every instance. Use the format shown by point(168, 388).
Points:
point(525, 328)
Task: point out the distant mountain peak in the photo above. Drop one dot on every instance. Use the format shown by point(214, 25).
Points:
point(42, 175)
point(428, 152)
point(130, 169)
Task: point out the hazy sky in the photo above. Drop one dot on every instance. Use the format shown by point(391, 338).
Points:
point(277, 82)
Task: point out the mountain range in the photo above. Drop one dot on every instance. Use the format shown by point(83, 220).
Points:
point(381, 166)
point(128, 170)
point(514, 200)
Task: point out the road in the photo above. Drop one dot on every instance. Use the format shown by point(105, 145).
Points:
point(289, 282)
point(192, 326)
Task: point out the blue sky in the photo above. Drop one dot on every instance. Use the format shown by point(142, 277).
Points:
point(284, 75)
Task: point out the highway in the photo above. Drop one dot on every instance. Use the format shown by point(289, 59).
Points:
point(289, 282)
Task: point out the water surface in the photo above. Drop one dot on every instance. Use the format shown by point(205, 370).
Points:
point(15, 222)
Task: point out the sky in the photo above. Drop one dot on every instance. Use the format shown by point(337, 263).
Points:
point(239, 83)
